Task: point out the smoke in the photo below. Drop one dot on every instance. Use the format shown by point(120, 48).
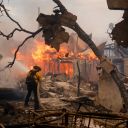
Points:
point(11, 76)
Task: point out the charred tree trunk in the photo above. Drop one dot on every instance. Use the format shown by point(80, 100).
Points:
point(113, 73)
point(64, 18)
point(92, 45)
point(87, 40)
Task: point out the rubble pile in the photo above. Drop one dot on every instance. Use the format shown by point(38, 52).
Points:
point(52, 92)
point(57, 98)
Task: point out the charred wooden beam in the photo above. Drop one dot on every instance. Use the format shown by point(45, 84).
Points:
point(96, 115)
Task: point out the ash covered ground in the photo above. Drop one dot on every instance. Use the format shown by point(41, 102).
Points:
point(55, 94)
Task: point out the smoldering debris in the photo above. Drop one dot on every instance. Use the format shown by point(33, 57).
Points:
point(60, 107)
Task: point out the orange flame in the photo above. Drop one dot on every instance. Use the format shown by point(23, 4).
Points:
point(42, 52)
point(48, 59)
point(91, 56)
point(52, 61)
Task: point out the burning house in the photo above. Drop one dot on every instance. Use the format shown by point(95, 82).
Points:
point(68, 64)
point(62, 62)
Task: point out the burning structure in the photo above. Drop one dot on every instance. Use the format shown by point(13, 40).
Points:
point(62, 62)
point(57, 63)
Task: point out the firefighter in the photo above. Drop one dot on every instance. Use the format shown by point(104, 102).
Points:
point(33, 80)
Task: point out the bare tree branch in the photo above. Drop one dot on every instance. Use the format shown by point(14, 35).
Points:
point(18, 48)
point(1, 2)
point(60, 5)
point(10, 35)
point(25, 40)
point(16, 29)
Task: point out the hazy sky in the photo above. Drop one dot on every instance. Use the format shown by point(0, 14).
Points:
point(92, 15)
